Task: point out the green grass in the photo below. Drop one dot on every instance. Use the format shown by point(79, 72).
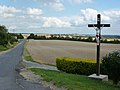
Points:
point(26, 54)
point(2, 48)
point(72, 81)
point(9, 46)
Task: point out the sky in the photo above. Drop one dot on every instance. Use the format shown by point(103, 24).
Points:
point(59, 16)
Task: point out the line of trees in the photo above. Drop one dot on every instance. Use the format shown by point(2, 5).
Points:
point(87, 39)
point(8, 38)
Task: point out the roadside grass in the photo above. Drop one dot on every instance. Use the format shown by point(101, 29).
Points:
point(72, 81)
point(3, 48)
point(26, 54)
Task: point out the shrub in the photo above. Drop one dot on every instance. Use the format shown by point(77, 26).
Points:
point(111, 62)
point(76, 66)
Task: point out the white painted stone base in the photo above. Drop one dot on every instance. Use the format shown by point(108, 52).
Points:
point(100, 77)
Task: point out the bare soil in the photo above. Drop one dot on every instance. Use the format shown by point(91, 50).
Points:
point(46, 51)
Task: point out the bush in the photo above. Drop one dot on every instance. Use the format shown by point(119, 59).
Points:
point(111, 62)
point(76, 66)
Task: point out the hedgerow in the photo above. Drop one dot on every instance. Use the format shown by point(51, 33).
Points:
point(77, 66)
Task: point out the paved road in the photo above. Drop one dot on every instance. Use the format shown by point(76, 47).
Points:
point(9, 78)
point(37, 65)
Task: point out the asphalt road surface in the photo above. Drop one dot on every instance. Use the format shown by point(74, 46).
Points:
point(9, 77)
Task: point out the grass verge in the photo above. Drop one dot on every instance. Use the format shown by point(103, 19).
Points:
point(9, 46)
point(2, 48)
point(72, 81)
point(26, 54)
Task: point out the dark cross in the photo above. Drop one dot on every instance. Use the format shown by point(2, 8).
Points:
point(98, 38)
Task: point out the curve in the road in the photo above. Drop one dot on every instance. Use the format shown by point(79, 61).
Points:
point(9, 78)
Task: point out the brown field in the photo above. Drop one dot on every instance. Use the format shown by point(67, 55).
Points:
point(46, 51)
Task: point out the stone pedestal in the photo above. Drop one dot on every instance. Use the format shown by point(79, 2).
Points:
point(100, 77)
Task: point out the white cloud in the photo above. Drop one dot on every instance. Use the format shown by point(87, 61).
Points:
point(47, 1)
point(81, 1)
point(90, 15)
point(58, 6)
point(55, 4)
point(55, 22)
point(86, 16)
point(6, 15)
point(87, 1)
point(77, 21)
point(34, 11)
point(112, 13)
point(22, 17)
point(7, 9)
point(12, 27)
point(34, 18)
point(34, 27)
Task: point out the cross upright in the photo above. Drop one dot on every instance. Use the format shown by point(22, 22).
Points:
point(98, 37)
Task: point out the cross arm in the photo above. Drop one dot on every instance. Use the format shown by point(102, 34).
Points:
point(92, 25)
point(105, 25)
point(101, 25)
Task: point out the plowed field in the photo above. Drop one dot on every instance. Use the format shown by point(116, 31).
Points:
point(46, 51)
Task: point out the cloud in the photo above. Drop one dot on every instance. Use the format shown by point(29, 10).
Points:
point(112, 13)
point(34, 27)
point(54, 4)
point(58, 6)
point(48, 1)
point(55, 22)
point(12, 27)
point(86, 16)
point(90, 15)
point(33, 18)
point(6, 15)
point(77, 21)
point(80, 1)
point(34, 11)
point(7, 11)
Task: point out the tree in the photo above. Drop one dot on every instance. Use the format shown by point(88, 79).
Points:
point(20, 36)
point(31, 36)
point(111, 63)
point(3, 29)
point(3, 36)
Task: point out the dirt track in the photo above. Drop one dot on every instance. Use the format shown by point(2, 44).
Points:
point(46, 51)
